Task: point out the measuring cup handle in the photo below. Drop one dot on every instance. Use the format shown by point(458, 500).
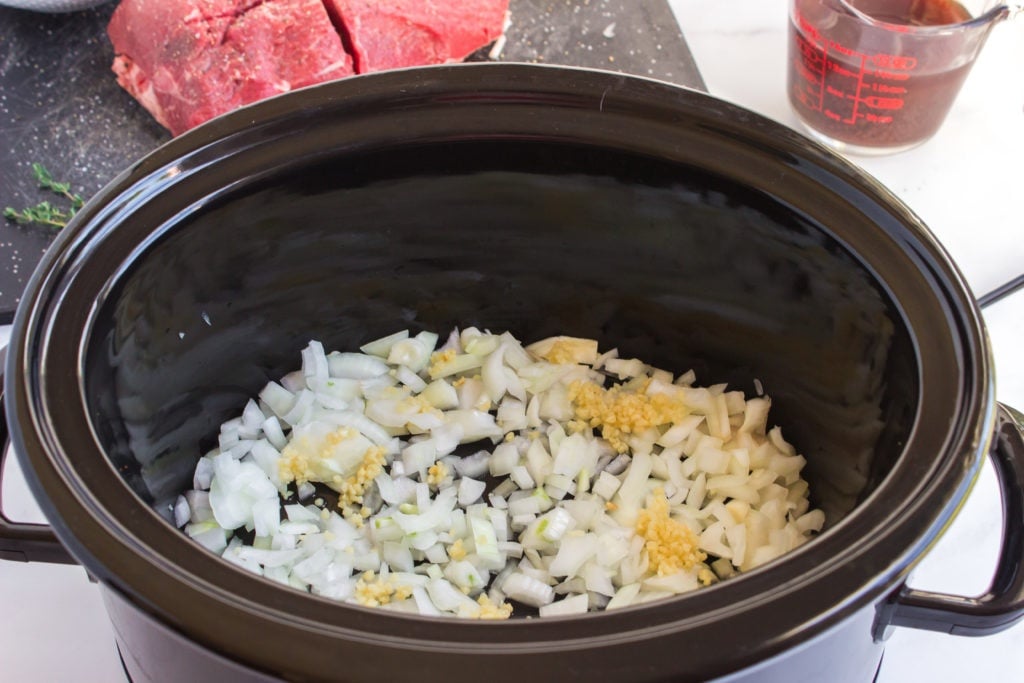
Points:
point(1002, 605)
point(22, 542)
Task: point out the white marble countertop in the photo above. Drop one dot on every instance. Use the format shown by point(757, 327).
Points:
point(966, 183)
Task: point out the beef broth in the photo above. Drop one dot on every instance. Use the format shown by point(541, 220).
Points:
point(914, 12)
point(842, 86)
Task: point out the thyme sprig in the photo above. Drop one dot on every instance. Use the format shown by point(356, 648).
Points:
point(46, 213)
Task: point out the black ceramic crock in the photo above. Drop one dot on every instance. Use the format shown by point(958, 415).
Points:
point(681, 229)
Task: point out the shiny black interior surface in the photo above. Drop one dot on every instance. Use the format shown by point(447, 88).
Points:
point(665, 261)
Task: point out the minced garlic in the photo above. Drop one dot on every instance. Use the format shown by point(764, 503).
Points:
point(489, 610)
point(457, 550)
point(300, 457)
point(568, 350)
point(438, 360)
point(576, 427)
point(706, 577)
point(671, 545)
point(374, 591)
point(620, 411)
point(419, 404)
point(436, 473)
point(351, 489)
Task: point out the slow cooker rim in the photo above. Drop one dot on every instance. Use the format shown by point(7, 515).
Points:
point(31, 321)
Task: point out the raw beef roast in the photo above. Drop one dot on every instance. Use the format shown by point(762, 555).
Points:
point(187, 61)
point(397, 33)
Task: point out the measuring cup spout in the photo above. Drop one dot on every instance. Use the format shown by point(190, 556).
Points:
point(995, 15)
point(1001, 12)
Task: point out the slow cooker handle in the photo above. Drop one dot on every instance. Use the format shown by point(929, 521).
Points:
point(19, 541)
point(1003, 605)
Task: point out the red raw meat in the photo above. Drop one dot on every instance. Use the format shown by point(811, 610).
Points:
point(388, 34)
point(187, 61)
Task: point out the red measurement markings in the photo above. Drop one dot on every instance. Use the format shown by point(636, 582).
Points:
point(882, 102)
point(894, 62)
point(887, 68)
point(812, 66)
point(861, 97)
point(895, 90)
point(835, 73)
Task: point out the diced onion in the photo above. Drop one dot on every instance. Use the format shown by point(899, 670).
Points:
point(527, 590)
point(356, 366)
point(382, 347)
point(576, 604)
point(489, 472)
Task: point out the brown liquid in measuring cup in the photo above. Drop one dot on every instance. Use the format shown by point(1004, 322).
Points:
point(914, 12)
point(850, 91)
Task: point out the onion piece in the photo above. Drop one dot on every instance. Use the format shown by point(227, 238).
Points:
point(527, 590)
point(382, 347)
point(279, 399)
point(181, 511)
point(574, 604)
point(470, 491)
point(355, 366)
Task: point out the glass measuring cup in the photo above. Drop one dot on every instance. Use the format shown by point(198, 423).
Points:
point(879, 76)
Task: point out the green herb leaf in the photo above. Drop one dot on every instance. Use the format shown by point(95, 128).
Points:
point(45, 213)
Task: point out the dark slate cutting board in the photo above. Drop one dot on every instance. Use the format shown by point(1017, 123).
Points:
point(61, 106)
